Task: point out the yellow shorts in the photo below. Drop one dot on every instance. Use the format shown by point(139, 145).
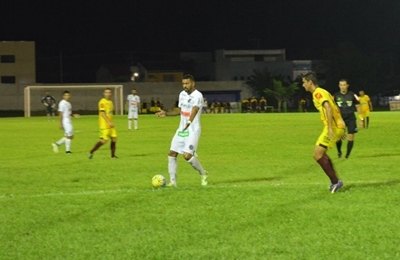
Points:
point(108, 133)
point(363, 114)
point(325, 141)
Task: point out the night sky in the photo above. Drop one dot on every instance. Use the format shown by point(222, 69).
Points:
point(87, 33)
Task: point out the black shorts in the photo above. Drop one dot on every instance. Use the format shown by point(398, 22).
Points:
point(351, 123)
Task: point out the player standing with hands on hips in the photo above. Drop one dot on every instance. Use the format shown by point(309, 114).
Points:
point(186, 138)
point(133, 101)
point(333, 128)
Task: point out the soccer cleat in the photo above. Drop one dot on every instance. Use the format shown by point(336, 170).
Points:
point(335, 187)
point(204, 181)
point(68, 152)
point(55, 147)
point(339, 155)
point(90, 156)
point(171, 184)
point(114, 157)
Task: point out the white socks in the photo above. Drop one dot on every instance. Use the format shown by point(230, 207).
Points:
point(172, 166)
point(67, 144)
point(135, 123)
point(61, 141)
point(197, 165)
point(129, 124)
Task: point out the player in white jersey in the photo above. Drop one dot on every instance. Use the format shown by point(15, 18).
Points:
point(133, 101)
point(65, 111)
point(186, 138)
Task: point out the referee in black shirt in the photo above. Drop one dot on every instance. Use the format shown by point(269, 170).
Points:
point(347, 101)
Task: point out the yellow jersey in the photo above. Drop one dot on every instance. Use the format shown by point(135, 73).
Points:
point(364, 102)
point(320, 96)
point(107, 107)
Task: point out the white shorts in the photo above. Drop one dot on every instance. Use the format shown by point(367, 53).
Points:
point(133, 113)
point(68, 129)
point(185, 143)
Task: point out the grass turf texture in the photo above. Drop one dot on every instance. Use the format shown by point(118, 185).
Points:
point(267, 198)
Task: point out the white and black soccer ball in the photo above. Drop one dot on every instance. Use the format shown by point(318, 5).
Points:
point(158, 181)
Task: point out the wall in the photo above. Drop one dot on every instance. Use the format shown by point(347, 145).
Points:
point(11, 95)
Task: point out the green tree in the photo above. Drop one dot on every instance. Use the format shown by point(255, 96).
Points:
point(276, 87)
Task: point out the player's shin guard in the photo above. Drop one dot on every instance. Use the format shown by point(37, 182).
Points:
point(326, 164)
point(197, 165)
point(172, 166)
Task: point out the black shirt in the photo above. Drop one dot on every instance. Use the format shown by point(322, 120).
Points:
point(346, 103)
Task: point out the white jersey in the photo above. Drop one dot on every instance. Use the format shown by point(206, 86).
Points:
point(186, 104)
point(133, 102)
point(65, 108)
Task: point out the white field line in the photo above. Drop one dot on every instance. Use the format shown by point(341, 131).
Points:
point(216, 186)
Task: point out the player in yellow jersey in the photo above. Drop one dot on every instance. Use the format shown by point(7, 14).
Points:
point(364, 108)
point(333, 127)
point(106, 125)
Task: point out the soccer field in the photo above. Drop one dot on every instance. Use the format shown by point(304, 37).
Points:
point(266, 199)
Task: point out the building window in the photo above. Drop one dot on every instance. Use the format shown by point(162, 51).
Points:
point(7, 58)
point(8, 79)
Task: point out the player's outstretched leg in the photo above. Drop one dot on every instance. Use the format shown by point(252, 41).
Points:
point(113, 147)
point(326, 164)
point(192, 160)
point(95, 148)
point(172, 166)
point(367, 122)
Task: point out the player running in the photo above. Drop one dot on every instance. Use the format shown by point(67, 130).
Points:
point(346, 101)
point(364, 108)
point(186, 138)
point(65, 111)
point(333, 128)
point(106, 125)
point(133, 101)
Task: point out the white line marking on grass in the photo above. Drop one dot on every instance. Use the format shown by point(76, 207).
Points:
point(220, 185)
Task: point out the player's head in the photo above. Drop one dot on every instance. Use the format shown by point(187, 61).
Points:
point(361, 93)
point(310, 81)
point(344, 85)
point(134, 91)
point(107, 93)
point(188, 83)
point(66, 95)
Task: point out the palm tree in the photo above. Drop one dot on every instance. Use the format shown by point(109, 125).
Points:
point(264, 84)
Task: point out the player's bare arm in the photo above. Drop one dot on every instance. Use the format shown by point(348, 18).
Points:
point(329, 119)
point(193, 114)
point(103, 115)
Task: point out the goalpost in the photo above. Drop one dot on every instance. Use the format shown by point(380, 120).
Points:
point(79, 92)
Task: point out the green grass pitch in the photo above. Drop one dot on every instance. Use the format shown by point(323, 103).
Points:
point(266, 199)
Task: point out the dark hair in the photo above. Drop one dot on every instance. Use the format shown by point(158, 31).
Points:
point(311, 76)
point(345, 80)
point(188, 76)
point(66, 92)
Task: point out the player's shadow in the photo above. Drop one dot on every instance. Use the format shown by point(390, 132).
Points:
point(351, 186)
point(249, 180)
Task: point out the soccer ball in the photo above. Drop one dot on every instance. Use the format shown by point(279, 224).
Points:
point(158, 181)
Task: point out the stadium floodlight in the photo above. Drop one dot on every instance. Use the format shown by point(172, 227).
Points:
point(82, 95)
